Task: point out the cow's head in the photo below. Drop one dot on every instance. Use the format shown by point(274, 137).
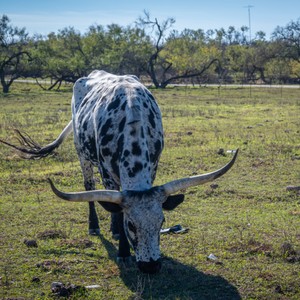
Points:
point(143, 212)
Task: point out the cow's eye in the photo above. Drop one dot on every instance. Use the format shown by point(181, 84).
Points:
point(131, 227)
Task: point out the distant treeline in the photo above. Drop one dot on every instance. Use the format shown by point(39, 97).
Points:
point(151, 50)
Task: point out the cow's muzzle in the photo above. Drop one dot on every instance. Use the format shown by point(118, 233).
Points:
point(151, 267)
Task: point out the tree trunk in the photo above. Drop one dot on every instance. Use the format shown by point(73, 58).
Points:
point(5, 88)
point(5, 85)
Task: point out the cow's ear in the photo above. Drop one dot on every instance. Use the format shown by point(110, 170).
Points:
point(173, 201)
point(111, 207)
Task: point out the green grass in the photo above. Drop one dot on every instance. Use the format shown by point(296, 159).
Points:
point(250, 222)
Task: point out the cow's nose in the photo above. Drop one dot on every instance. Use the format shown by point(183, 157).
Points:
point(150, 267)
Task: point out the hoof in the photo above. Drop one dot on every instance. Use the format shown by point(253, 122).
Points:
point(116, 236)
point(94, 231)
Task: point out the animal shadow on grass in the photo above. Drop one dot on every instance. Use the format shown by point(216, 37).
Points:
point(174, 281)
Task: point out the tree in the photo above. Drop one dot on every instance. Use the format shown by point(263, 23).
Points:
point(165, 64)
point(94, 44)
point(126, 50)
point(289, 36)
point(278, 70)
point(117, 49)
point(190, 57)
point(14, 54)
point(61, 57)
point(295, 71)
point(157, 66)
point(135, 50)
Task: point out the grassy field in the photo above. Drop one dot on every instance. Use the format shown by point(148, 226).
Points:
point(249, 221)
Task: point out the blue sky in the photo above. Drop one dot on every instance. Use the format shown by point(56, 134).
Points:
point(47, 16)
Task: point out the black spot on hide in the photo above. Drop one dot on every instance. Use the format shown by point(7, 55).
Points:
point(136, 149)
point(147, 156)
point(105, 127)
point(116, 156)
point(150, 95)
point(106, 152)
point(122, 124)
point(89, 146)
point(115, 164)
point(142, 133)
point(133, 132)
point(158, 147)
point(120, 144)
point(124, 105)
point(149, 132)
point(152, 119)
point(81, 137)
point(106, 139)
point(85, 100)
point(114, 104)
point(84, 126)
point(138, 166)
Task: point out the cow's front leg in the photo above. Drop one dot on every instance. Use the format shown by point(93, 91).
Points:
point(109, 184)
point(89, 184)
point(114, 226)
point(124, 247)
point(94, 228)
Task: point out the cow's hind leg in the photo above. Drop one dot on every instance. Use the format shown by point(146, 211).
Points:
point(89, 184)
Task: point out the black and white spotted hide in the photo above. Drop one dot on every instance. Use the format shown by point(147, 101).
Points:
point(118, 128)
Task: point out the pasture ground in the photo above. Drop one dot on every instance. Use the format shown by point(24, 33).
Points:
point(248, 221)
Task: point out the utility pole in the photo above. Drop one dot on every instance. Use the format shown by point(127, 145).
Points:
point(249, 20)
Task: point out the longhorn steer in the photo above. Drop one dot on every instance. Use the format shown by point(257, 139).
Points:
point(117, 127)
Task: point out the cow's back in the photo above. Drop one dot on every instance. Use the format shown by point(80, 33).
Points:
point(117, 126)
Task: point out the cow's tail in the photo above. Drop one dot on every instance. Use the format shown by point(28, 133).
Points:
point(30, 149)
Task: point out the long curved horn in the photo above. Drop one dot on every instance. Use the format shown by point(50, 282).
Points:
point(89, 196)
point(176, 185)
